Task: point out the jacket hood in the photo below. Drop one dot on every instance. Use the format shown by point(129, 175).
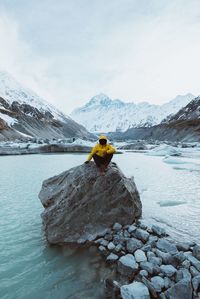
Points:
point(103, 137)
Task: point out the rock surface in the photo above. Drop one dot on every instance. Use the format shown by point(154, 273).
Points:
point(135, 290)
point(80, 204)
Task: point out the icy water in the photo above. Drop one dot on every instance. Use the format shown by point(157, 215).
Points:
point(30, 268)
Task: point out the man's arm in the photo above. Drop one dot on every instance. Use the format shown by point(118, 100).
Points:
point(93, 151)
point(111, 150)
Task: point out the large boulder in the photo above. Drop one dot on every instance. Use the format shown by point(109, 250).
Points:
point(81, 204)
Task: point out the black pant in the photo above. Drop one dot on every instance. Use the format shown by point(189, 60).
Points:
point(102, 160)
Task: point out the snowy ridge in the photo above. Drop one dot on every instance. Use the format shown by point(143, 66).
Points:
point(11, 90)
point(102, 114)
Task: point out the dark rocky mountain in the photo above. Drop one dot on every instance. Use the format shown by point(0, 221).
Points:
point(24, 114)
point(183, 126)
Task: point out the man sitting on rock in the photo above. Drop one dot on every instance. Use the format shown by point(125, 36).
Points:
point(102, 154)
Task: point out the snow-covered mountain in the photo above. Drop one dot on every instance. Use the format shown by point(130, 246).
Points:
point(24, 113)
point(102, 114)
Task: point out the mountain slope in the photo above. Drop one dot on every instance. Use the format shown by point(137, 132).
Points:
point(183, 126)
point(101, 114)
point(24, 113)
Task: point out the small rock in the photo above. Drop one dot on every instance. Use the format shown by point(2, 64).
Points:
point(133, 244)
point(108, 237)
point(135, 290)
point(149, 267)
point(118, 248)
point(150, 254)
point(111, 246)
point(152, 241)
point(102, 249)
point(194, 271)
point(158, 283)
point(150, 286)
point(168, 270)
point(104, 242)
point(166, 257)
point(141, 234)
point(140, 256)
point(131, 228)
point(181, 290)
point(162, 296)
point(155, 260)
point(126, 234)
point(181, 246)
point(146, 248)
point(118, 239)
point(195, 262)
point(196, 252)
point(127, 265)
point(166, 246)
point(182, 273)
point(186, 264)
point(167, 282)
point(159, 231)
point(143, 273)
point(196, 283)
point(117, 226)
point(112, 257)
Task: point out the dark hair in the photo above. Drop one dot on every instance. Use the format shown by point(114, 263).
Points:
point(102, 141)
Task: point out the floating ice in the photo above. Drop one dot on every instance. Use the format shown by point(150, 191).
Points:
point(168, 203)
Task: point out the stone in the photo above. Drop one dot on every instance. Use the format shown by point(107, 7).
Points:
point(135, 290)
point(127, 265)
point(104, 242)
point(133, 244)
point(195, 262)
point(118, 248)
point(152, 241)
point(196, 252)
point(178, 258)
point(159, 231)
point(181, 290)
point(112, 257)
point(194, 271)
point(166, 257)
point(150, 286)
point(140, 256)
point(166, 246)
point(117, 226)
point(131, 228)
point(102, 249)
point(158, 283)
point(196, 283)
point(108, 237)
point(80, 205)
point(167, 282)
point(186, 264)
point(168, 270)
point(150, 254)
point(183, 246)
point(182, 273)
point(111, 246)
point(141, 234)
point(149, 267)
point(126, 234)
point(143, 273)
point(146, 248)
point(155, 260)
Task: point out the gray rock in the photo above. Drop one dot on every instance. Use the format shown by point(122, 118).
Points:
point(181, 290)
point(143, 273)
point(102, 249)
point(118, 239)
point(108, 237)
point(194, 271)
point(162, 296)
point(159, 231)
point(112, 257)
point(155, 260)
point(183, 246)
point(146, 248)
point(186, 264)
point(127, 265)
point(126, 234)
point(141, 234)
point(196, 251)
point(168, 270)
point(135, 290)
point(182, 273)
point(150, 286)
point(158, 283)
point(80, 204)
point(166, 246)
point(166, 257)
point(152, 241)
point(195, 262)
point(117, 226)
point(140, 256)
point(167, 282)
point(111, 246)
point(150, 254)
point(178, 258)
point(149, 267)
point(104, 242)
point(118, 248)
point(133, 244)
point(196, 283)
point(131, 228)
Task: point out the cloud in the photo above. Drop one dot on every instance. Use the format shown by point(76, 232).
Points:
point(133, 50)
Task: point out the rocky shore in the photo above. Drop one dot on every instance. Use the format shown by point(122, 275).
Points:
point(86, 208)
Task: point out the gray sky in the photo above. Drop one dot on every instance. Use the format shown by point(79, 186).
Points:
point(70, 50)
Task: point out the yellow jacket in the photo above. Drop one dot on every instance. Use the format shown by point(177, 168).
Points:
point(101, 150)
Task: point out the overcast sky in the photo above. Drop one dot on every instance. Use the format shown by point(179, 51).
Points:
point(70, 50)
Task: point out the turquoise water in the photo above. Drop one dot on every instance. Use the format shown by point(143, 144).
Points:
point(30, 268)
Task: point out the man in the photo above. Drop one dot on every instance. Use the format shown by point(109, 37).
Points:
point(102, 154)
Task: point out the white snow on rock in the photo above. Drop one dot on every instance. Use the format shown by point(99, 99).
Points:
point(8, 119)
point(102, 114)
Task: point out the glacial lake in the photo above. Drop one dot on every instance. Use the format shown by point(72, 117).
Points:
point(30, 268)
